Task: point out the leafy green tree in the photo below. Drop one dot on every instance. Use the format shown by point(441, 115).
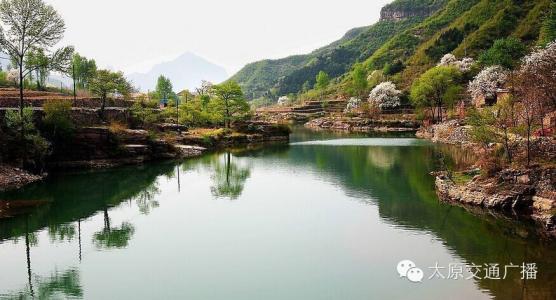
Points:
point(26, 24)
point(322, 80)
point(230, 102)
point(548, 30)
point(42, 64)
point(164, 88)
point(83, 70)
point(359, 80)
point(504, 52)
point(105, 82)
point(436, 88)
point(392, 69)
point(37, 59)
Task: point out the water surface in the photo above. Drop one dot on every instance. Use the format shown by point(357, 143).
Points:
point(327, 217)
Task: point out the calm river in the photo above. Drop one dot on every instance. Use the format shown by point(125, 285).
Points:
point(327, 217)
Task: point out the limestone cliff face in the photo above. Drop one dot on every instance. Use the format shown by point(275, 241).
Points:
point(389, 13)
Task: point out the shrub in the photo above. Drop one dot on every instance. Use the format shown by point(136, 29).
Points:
point(57, 119)
point(22, 142)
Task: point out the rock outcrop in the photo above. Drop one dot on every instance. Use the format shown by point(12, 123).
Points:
point(358, 124)
point(450, 132)
point(522, 193)
point(402, 12)
point(13, 178)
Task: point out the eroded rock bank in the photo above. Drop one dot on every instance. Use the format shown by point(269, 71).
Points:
point(106, 147)
point(524, 194)
point(13, 178)
point(360, 124)
point(516, 190)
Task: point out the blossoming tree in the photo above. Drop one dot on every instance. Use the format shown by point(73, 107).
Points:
point(385, 96)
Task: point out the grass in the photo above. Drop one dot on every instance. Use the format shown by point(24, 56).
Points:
point(461, 178)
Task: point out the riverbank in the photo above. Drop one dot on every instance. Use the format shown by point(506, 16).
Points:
point(112, 146)
point(12, 178)
point(361, 124)
point(522, 192)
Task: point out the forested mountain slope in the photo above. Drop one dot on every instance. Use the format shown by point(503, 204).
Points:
point(413, 35)
point(270, 78)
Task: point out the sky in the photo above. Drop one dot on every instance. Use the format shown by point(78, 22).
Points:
point(134, 35)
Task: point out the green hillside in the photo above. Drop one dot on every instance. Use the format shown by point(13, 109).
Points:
point(413, 34)
point(271, 78)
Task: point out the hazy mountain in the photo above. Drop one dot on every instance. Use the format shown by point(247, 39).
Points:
point(186, 72)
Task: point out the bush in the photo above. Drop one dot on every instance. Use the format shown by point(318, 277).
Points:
point(22, 142)
point(144, 116)
point(58, 124)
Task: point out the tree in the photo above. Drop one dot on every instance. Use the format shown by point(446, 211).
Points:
point(450, 60)
point(536, 89)
point(539, 68)
point(26, 24)
point(164, 88)
point(38, 61)
point(385, 96)
point(392, 69)
point(322, 82)
point(548, 30)
point(83, 70)
point(487, 124)
point(41, 63)
point(487, 82)
point(436, 88)
point(230, 102)
point(359, 80)
point(105, 82)
point(504, 52)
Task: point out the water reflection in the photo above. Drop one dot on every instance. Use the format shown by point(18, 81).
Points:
point(59, 285)
point(393, 177)
point(110, 237)
point(229, 177)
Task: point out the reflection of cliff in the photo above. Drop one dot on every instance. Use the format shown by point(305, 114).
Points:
point(80, 196)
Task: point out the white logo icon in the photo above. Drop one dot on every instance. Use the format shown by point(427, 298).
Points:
point(408, 269)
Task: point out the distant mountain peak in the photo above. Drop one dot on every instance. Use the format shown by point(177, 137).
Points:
point(185, 72)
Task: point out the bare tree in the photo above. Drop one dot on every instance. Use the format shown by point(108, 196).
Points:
point(25, 24)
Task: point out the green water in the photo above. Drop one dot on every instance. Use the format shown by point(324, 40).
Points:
point(311, 220)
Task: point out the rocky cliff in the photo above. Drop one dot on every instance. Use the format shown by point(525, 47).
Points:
point(402, 12)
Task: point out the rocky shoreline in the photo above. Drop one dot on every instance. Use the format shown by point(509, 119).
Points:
point(527, 193)
point(523, 194)
point(103, 147)
point(12, 178)
point(360, 124)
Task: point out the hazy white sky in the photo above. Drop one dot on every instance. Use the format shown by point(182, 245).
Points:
point(132, 35)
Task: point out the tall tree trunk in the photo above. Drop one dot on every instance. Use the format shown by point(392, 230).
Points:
point(507, 144)
point(21, 90)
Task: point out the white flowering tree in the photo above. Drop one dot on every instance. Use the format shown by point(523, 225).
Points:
point(283, 101)
point(353, 105)
point(385, 96)
point(450, 60)
point(540, 68)
point(13, 76)
point(487, 82)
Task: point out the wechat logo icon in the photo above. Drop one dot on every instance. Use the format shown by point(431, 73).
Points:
point(408, 269)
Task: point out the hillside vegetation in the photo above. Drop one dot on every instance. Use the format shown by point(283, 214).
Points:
point(412, 35)
point(271, 78)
